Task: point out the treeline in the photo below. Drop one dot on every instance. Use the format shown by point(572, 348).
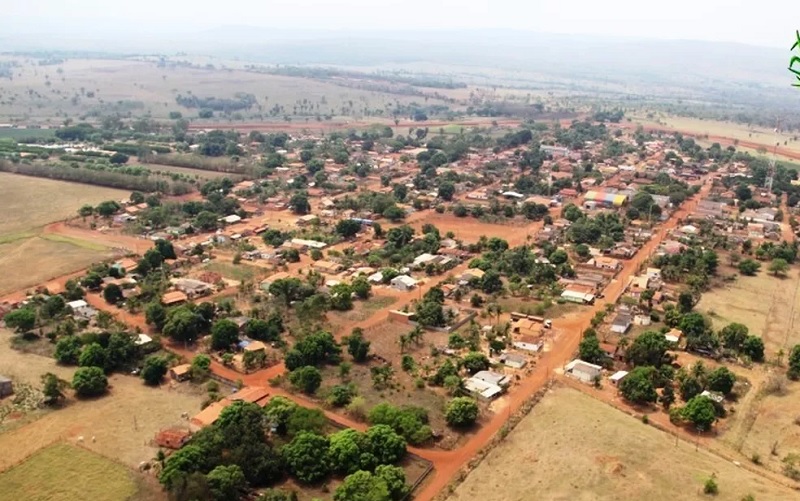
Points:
point(200, 163)
point(393, 77)
point(241, 101)
point(105, 178)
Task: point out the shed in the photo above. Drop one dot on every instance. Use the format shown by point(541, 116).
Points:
point(583, 371)
point(181, 372)
point(6, 386)
point(617, 377)
point(621, 323)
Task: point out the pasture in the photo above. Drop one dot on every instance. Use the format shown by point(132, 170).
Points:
point(64, 472)
point(765, 304)
point(573, 447)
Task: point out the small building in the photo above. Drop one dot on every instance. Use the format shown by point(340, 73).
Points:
point(281, 275)
point(514, 360)
point(307, 219)
point(6, 386)
point(583, 371)
point(482, 390)
point(472, 274)
point(255, 346)
point(526, 343)
point(493, 377)
point(617, 377)
point(674, 336)
point(605, 199)
point(142, 339)
point(577, 297)
point(232, 219)
point(181, 372)
point(173, 298)
point(172, 438)
point(81, 310)
point(621, 323)
point(191, 287)
point(327, 267)
point(403, 283)
point(714, 396)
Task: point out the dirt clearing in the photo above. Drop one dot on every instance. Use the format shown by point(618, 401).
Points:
point(572, 447)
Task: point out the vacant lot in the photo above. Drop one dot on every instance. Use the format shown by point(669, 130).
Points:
point(572, 447)
point(469, 229)
point(765, 304)
point(64, 472)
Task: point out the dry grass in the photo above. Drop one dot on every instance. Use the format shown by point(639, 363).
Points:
point(65, 473)
point(30, 202)
point(572, 447)
point(30, 261)
point(765, 304)
point(123, 422)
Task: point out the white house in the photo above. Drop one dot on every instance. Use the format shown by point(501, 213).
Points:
point(233, 218)
point(403, 283)
point(81, 310)
point(583, 371)
point(376, 278)
point(493, 377)
point(617, 377)
point(514, 360)
point(532, 347)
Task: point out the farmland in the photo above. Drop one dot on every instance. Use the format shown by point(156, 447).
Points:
point(765, 304)
point(64, 472)
point(591, 451)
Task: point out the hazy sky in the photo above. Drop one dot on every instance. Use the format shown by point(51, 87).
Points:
point(758, 22)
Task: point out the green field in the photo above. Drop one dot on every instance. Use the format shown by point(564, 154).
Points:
point(63, 472)
point(27, 133)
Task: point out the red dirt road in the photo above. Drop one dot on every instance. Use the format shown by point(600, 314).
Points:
point(358, 124)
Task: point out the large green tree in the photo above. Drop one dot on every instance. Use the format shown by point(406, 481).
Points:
point(461, 412)
point(224, 333)
point(306, 457)
point(649, 349)
point(637, 386)
point(89, 382)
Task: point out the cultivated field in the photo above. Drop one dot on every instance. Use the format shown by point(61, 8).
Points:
point(64, 472)
point(765, 304)
point(572, 447)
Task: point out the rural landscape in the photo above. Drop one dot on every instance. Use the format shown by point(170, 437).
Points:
point(339, 273)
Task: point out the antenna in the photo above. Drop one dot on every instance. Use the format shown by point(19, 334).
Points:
point(771, 173)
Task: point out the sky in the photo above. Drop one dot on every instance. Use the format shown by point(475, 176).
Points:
point(764, 22)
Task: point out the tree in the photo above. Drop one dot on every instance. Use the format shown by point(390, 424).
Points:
point(749, 267)
point(779, 267)
point(183, 324)
point(86, 211)
point(68, 350)
point(226, 482)
point(118, 158)
point(341, 297)
point(265, 330)
point(201, 366)
point(306, 457)
point(753, 347)
point(307, 379)
point(690, 387)
point(722, 380)
point(385, 445)
point(395, 478)
point(348, 228)
point(345, 450)
point(156, 315)
point(53, 388)
point(299, 203)
point(461, 412)
point(53, 306)
point(21, 320)
point(649, 349)
point(112, 293)
point(794, 363)
point(491, 282)
point(475, 362)
point(685, 302)
point(107, 208)
point(667, 397)
point(120, 350)
point(206, 221)
point(89, 382)
point(701, 412)
point(446, 191)
point(361, 287)
point(165, 248)
point(224, 333)
point(357, 346)
point(93, 355)
point(637, 386)
point(154, 369)
point(733, 335)
point(589, 350)
point(362, 486)
point(743, 193)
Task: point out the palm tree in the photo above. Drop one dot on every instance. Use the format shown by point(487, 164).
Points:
point(494, 309)
point(403, 343)
point(416, 335)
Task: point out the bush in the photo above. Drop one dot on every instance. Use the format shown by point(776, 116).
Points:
point(461, 412)
point(306, 379)
point(711, 488)
point(154, 370)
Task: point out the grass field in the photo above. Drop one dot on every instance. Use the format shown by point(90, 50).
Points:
point(572, 447)
point(239, 272)
point(29, 202)
point(765, 304)
point(27, 133)
point(64, 472)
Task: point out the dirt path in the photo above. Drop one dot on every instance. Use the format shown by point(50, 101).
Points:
point(283, 126)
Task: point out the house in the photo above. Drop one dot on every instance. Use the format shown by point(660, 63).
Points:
point(583, 371)
point(6, 386)
point(232, 219)
point(617, 377)
point(605, 199)
point(375, 278)
point(302, 244)
point(605, 263)
point(208, 416)
point(191, 287)
point(142, 339)
point(172, 438)
point(579, 297)
point(281, 275)
point(674, 336)
point(181, 372)
point(514, 360)
point(81, 310)
point(126, 265)
point(173, 298)
point(714, 396)
point(240, 321)
point(482, 390)
point(307, 220)
point(403, 283)
point(327, 267)
point(493, 377)
point(472, 274)
point(621, 323)
point(423, 259)
point(527, 343)
point(255, 346)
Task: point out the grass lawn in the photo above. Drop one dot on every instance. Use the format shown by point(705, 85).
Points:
point(63, 472)
point(239, 272)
